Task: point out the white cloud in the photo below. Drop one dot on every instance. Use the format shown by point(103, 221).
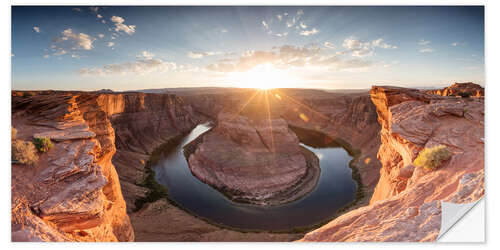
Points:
point(77, 9)
point(46, 56)
point(94, 9)
point(455, 44)
point(110, 44)
point(223, 31)
point(146, 55)
point(360, 48)
point(69, 41)
point(266, 26)
point(60, 52)
point(380, 43)
point(36, 29)
point(423, 42)
point(280, 17)
point(290, 23)
point(119, 25)
point(287, 57)
point(81, 40)
point(103, 21)
point(329, 45)
point(300, 12)
point(199, 55)
point(100, 35)
point(195, 55)
point(426, 50)
point(309, 32)
point(99, 16)
point(303, 25)
point(140, 66)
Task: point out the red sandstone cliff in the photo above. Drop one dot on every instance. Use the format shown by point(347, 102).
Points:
point(255, 161)
point(74, 189)
point(458, 89)
point(406, 203)
point(72, 193)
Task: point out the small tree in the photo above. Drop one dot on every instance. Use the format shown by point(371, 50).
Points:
point(43, 144)
point(432, 158)
point(24, 152)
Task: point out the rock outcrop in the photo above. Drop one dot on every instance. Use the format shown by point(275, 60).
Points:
point(75, 188)
point(459, 89)
point(406, 203)
point(72, 193)
point(256, 161)
point(141, 123)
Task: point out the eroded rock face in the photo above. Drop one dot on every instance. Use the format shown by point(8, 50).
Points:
point(255, 161)
point(75, 186)
point(458, 89)
point(72, 193)
point(406, 203)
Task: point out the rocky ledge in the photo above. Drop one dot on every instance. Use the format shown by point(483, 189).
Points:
point(406, 204)
point(72, 192)
point(257, 161)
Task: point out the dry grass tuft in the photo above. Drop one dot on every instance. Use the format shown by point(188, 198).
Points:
point(432, 158)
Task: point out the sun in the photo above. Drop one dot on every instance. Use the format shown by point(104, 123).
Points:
point(264, 77)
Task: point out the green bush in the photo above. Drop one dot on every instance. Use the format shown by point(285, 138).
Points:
point(43, 144)
point(24, 152)
point(432, 158)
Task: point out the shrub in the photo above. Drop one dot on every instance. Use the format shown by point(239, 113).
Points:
point(24, 152)
point(432, 158)
point(43, 144)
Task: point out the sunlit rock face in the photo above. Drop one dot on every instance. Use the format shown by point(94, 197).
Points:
point(458, 89)
point(406, 203)
point(72, 192)
point(256, 161)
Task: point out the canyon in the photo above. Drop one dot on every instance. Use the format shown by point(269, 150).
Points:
point(86, 188)
point(257, 162)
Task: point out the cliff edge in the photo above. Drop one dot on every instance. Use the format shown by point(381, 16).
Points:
point(406, 204)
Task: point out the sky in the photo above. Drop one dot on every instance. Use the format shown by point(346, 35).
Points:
point(327, 47)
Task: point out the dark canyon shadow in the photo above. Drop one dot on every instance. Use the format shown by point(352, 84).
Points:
point(334, 190)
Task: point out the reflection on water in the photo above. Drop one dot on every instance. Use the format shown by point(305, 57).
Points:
point(335, 189)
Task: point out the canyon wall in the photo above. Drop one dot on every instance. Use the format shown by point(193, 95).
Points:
point(83, 188)
point(142, 122)
point(406, 204)
point(72, 193)
point(350, 118)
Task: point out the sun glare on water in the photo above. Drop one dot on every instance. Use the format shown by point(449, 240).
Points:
point(264, 77)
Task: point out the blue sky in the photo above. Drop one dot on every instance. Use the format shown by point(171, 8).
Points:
point(127, 48)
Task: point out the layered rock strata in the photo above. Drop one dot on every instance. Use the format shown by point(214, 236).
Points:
point(72, 193)
point(255, 161)
point(406, 204)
